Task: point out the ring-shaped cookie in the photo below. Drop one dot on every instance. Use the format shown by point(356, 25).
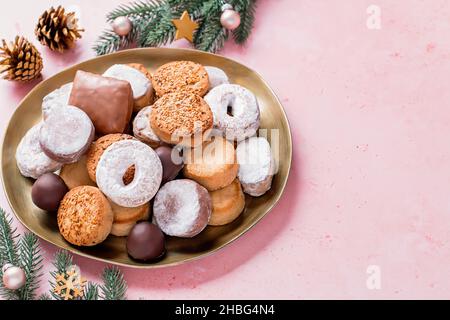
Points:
point(235, 110)
point(116, 160)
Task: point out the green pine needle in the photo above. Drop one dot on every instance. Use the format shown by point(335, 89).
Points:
point(8, 244)
point(139, 9)
point(44, 296)
point(91, 291)
point(114, 285)
point(31, 262)
point(247, 10)
point(152, 24)
point(8, 252)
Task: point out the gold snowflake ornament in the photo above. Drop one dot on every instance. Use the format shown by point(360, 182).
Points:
point(69, 285)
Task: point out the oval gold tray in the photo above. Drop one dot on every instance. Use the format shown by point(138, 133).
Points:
point(113, 250)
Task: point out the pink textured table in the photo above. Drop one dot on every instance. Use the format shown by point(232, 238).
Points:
point(370, 183)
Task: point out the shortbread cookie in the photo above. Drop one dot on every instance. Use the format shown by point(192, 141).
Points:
point(96, 150)
point(227, 204)
point(31, 159)
point(216, 77)
point(66, 134)
point(126, 218)
point(256, 165)
point(107, 101)
point(142, 129)
point(116, 160)
point(181, 118)
point(184, 76)
point(56, 99)
point(182, 208)
point(236, 111)
point(85, 216)
point(139, 80)
point(76, 175)
point(214, 166)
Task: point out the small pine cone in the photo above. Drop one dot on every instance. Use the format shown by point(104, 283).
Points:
point(57, 29)
point(20, 60)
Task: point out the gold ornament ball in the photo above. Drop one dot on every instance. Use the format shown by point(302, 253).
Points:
point(122, 26)
point(13, 277)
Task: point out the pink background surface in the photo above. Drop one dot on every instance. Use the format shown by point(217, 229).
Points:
point(370, 180)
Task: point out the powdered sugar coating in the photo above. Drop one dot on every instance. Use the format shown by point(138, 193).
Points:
point(66, 134)
point(216, 76)
point(256, 165)
point(56, 99)
point(140, 84)
point(142, 128)
point(245, 119)
point(31, 159)
point(116, 160)
point(182, 208)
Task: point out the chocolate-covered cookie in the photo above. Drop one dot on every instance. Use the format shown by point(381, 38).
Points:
point(107, 101)
point(48, 191)
point(146, 242)
point(170, 169)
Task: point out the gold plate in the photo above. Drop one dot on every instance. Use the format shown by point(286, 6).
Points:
point(113, 250)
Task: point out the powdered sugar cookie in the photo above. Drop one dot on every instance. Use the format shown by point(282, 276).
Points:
point(182, 208)
point(114, 163)
point(216, 76)
point(256, 165)
point(66, 134)
point(235, 110)
point(143, 130)
point(31, 159)
point(140, 83)
point(96, 150)
point(56, 99)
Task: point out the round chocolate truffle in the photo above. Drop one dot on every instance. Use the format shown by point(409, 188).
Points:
point(145, 242)
point(170, 169)
point(48, 191)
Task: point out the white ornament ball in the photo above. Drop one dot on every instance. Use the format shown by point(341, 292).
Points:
point(230, 19)
point(122, 26)
point(13, 277)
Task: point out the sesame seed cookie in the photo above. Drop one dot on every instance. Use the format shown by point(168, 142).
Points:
point(181, 118)
point(85, 216)
point(185, 76)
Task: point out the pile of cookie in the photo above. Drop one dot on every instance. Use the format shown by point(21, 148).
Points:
point(130, 153)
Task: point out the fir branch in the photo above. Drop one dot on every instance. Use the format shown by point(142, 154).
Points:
point(91, 291)
point(63, 260)
point(210, 36)
point(31, 263)
point(140, 9)
point(247, 10)
point(114, 285)
point(8, 244)
point(110, 42)
point(8, 252)
point(44, 296)
point(160, 29)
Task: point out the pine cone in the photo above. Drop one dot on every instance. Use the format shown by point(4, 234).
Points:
point(58, 30)
point(20, 60)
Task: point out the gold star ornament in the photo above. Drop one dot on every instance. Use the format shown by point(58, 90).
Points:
point(185, 27)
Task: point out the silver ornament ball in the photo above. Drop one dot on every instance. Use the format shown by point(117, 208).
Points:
point(122, 26)
point(14, 277)
point(230, 19)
